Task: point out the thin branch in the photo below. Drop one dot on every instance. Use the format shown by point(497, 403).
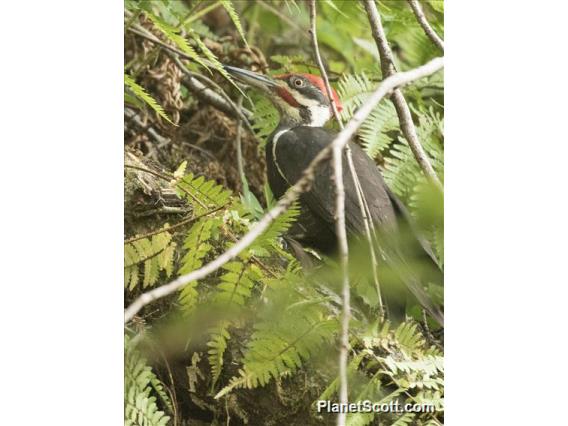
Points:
point(133, 115)
point(365, 213)
point(223, 102)
point(400, 104)
point(152, 172)
point(345, 290)
point(165, 177)
point(363, 205)
point(282, 16)
point(319, 61)
point(141, 31)
point(421, 18)
point(176, 225)
point(236, 111)
point(339, 229)
point(302, 185)
point(201, 13)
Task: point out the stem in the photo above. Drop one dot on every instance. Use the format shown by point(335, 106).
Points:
point(400, 104)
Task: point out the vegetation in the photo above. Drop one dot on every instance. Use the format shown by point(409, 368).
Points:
point(257, 341)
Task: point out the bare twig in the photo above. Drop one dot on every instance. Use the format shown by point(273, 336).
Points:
point(236, 111)
point(167, 178)
point(142, 32)
point(339, 228)
point(282, 16)
point(222, 102)
point(400, 104)
point(421, 18)
point(319, 61)
point(363, 205)
point(365, 214)
point(345, 290)
point(133, 115)
point(174, 226)
point(293, 193)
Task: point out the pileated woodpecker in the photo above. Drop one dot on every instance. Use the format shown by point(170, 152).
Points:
point(304, 108)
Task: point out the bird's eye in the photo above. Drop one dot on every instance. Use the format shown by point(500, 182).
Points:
point(298, 82)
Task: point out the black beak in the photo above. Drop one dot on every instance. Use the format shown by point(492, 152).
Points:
point(251, 78)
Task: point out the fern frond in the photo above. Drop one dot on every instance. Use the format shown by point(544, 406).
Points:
point(278, 348)
point(354, 89)
point(402, 172)
point(173, 35)
point(405, 420)
point(277, 228)
point(155, 255)
point(202, 194)
point(228, 5)
point(140, 93)
point(217, 346)
point(214, 62)
point(140, 410)
point(236, 283)
point(197, 246)
point(409, 337)
point(140, 406)
point(423, 373)
point(373, 131)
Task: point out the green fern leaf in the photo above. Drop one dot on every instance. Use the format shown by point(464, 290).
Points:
point(402, 172)
point(277, 228)
point(140, 406)
point(237, 283)
point(354, 90)
point(155, 255)
point(228, 5)
point(144, 96)
point(214, 62)
point(217, 346)
point(409, 337)
point(197, 246)
point(278, 348)
point(202, 194)
point(173, 35)
point(405, 420)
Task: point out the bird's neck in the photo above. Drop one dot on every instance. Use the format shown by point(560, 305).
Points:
point(313, 116)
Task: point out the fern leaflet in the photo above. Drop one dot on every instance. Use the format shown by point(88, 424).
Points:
point(141, 93)
point(155, 254)
point(196, 242)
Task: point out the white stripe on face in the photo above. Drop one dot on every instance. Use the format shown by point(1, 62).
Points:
point(319, 114)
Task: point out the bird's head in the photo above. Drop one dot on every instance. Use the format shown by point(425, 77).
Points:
point(301, 98)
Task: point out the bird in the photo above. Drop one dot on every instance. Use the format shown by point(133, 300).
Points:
point(304, 108)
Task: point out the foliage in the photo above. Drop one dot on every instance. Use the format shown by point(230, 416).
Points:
point(153, 255)
point(141, 93)
point(263, 319)
point(374, 132)
point(141, 388)
point(288, 332)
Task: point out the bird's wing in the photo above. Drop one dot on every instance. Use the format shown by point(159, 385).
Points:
point(295, 150)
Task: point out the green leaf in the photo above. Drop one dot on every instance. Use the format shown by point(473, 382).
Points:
point(173, 35)
point(144, 96)
point(228, 5)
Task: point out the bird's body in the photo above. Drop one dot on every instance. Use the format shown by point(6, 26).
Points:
point(288, 154)
point(304, 108)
